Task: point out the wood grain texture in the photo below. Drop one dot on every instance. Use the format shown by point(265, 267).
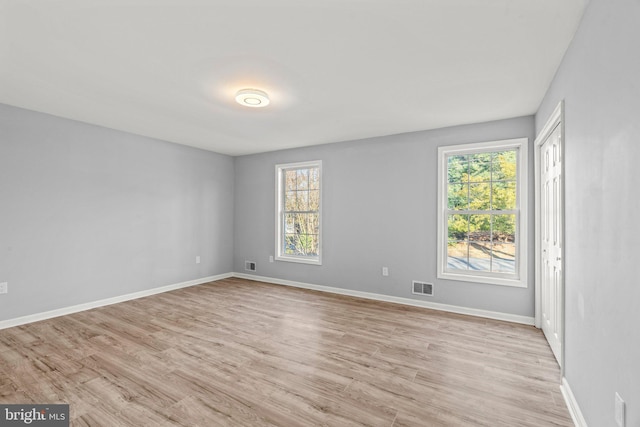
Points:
point(241, 353)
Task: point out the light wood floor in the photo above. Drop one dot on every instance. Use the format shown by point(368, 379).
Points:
point(243, 353)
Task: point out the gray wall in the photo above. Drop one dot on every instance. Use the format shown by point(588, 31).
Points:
point(88, 213)
point(599, 80)
point(379, 210)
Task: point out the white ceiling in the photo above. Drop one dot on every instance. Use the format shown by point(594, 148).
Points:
point(335, 70)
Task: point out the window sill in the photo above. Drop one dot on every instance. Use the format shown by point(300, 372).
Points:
point(487, 280)
point(299, 260)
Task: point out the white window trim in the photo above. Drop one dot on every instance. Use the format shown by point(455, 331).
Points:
point(522, 144)
point(279, 214)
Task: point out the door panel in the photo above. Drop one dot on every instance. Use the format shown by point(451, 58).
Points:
point(552, 289)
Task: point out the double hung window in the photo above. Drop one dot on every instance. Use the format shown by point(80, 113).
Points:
point(482, 212)
point(298, 216)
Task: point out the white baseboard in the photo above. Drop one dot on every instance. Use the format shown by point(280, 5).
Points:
point(108, 301)
point(399, 300)
point(572, 404)
point(367, 295)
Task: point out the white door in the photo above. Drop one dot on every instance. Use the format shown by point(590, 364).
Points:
point(552, 287)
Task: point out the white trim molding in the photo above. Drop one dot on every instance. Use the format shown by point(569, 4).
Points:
point(556, 119)
point(572, 404)
point(280, 211)
point(520, 211)
point(514, 318)
point(107, 301)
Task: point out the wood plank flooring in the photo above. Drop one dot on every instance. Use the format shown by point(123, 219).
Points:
point(241, 353)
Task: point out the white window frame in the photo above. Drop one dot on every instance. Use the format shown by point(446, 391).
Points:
point(519, 279)
point(280, 256)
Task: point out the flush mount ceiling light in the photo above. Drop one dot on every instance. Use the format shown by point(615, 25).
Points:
point(252, 98)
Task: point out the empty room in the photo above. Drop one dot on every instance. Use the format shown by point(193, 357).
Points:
point(340, 213)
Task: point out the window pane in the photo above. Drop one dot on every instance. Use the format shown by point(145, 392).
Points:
point(480, 196)
point(302, 223)
point(314, 200)
point(309, 244)
point(458, 196)
point(457, 255)
point(290, 180)
point(289, 223)
point(313, 223)
point(480, 228)
point(480, 167)
point(504, 165)
point(303, 179)
point(457, 168)
point(289, 244)
point(314, 178)
point(458, 227)
point(481, 157)
point(504, 228)
point(302, 203)
point(290, 201)
point(504, 257)
point(480, 256)
point(504, 195)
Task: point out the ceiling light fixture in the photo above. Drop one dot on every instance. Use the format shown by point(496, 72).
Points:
point(252, 98)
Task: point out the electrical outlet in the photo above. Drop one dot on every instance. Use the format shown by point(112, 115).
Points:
point(619, 411)
point(4, 288)
point(385, 271)
point(270, 258)
point(198, 259)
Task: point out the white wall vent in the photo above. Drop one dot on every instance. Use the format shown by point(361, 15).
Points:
point(422, 288)
point(250, 266)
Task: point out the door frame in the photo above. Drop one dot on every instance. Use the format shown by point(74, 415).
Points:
point(555, 119)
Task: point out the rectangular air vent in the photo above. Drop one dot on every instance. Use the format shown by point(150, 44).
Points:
point(422, 288)
point(250, 266)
